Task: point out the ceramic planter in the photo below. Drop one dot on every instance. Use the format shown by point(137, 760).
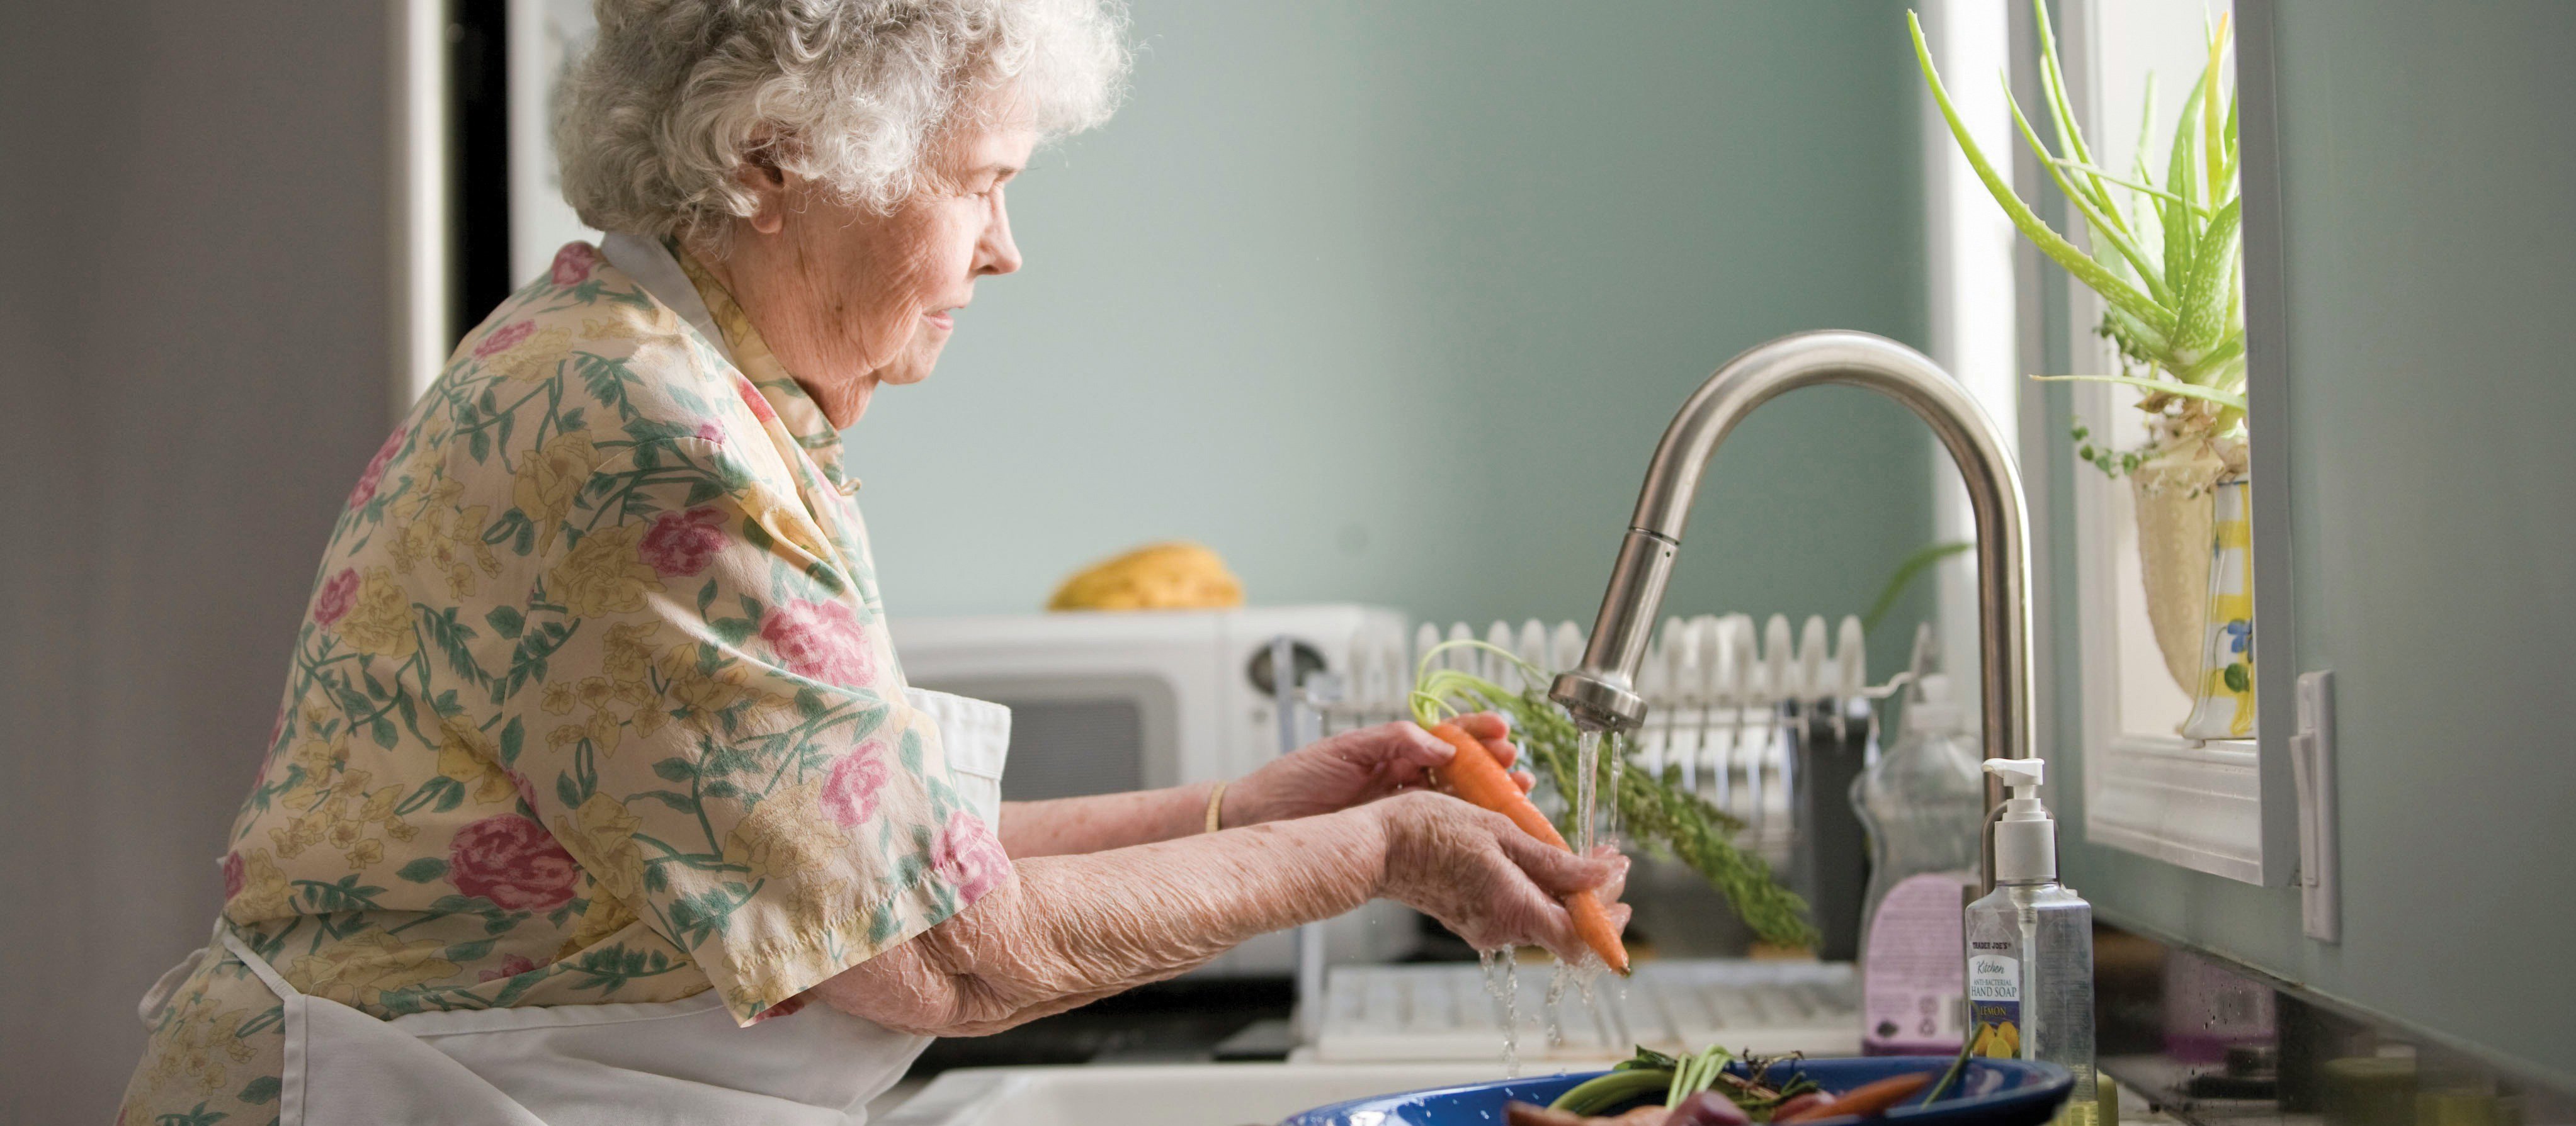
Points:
point(2174, 491)
point(2173, 505)
point(2223, 691)
point(2196, 563)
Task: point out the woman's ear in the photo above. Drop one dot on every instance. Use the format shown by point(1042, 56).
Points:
point(760, 175)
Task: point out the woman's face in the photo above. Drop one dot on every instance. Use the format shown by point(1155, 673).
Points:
point(849, 299)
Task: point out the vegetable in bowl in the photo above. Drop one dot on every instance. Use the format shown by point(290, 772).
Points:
point(1962, 1092)
point(1702, 1090)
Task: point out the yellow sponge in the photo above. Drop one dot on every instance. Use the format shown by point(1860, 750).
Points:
point(1163, 576)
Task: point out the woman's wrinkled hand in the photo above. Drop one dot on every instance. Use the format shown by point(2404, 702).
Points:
point(1488, 881)
point(1358, 767)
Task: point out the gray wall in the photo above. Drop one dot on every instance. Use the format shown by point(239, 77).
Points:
point(2426, 171)
point(193, 346)
point(1385, 301)
point(1389, 301)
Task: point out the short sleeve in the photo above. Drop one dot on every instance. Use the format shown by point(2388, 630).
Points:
point(714, 726)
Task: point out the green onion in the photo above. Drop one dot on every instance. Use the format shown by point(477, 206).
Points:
point(1957, 1067)
point(1603, 1093)
point(1697, 1074)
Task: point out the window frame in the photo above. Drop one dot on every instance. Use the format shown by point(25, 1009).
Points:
point(2226, 808)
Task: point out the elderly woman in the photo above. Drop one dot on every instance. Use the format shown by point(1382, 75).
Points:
point(596, 793)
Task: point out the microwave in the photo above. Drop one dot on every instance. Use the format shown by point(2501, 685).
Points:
point(1110, 701)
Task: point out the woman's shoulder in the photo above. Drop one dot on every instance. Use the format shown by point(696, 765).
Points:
point(578, 374)
point(585, 336)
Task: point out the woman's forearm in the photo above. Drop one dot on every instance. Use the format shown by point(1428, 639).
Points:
point(1068, 929)
point(1103, 821)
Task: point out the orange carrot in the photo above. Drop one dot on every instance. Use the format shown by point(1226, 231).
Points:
point(1474, 775)
point(1863, 1101)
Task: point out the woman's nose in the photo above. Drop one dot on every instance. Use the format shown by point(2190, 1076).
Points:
point(998, 254)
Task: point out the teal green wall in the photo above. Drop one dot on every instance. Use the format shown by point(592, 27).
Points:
point(1389, 301)
point(2427, 173)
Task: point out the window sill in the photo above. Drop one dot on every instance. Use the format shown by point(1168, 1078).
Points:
point(2195, 805)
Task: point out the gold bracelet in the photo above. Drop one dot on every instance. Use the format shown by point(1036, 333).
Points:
point(1216, 806)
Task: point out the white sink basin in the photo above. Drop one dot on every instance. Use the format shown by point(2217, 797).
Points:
point(1185, 1094)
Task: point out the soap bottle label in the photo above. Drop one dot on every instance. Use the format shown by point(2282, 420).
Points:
point(1910, 975)
point(1994, 1005)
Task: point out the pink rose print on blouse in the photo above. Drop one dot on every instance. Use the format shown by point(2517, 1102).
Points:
point(573, 263)
point(504, 338)
point(710, 432)
point(819, 641)
point(365, 489)
point(850, 791)
point(751, 397)
point(683, 543)
point(968, 858)
point(232, 874)
point(338, 594)
point(513, 862)
point(512, 966)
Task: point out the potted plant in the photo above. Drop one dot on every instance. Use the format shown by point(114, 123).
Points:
point(2165, 262)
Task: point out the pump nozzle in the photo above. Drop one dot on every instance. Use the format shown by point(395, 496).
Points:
point(2022, 775)
point(2025, 835)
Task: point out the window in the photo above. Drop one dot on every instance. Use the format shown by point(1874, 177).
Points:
point(2199, 802)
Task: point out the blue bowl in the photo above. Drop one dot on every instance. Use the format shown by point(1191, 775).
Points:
point(1992, 1093)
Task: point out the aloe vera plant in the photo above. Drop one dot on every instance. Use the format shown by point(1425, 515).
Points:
point(2165, 258)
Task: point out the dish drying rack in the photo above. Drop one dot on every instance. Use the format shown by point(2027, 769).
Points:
point(1724, 698)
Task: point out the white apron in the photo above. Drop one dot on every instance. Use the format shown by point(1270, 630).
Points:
point(576, 1065)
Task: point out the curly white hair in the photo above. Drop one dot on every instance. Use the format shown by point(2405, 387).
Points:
point(655, 120)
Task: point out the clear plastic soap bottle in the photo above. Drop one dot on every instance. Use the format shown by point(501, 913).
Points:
point(1922, 803)
point(2030, 947)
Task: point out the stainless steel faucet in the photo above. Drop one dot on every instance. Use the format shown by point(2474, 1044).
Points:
point(1602, 695)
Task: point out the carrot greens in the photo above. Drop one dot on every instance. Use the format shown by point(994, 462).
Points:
point(1656, 811)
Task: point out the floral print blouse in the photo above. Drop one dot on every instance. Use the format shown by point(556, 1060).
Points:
point(593, 703)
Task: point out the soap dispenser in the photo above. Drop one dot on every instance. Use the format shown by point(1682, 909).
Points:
point(1923, 804)
point(2030, 946)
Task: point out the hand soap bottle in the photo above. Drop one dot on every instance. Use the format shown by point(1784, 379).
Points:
point(1923, 804)
point(2030, 947)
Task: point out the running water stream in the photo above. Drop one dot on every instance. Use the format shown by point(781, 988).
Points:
point(1587, 789)
point(1578, 976)
point(1503, 982)
point(1617, 763)
point(1502, 977)
point(1587, 809)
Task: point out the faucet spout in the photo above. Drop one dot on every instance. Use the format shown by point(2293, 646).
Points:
point(1601, 694)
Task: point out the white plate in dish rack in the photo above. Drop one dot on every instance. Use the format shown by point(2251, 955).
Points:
point(1443, 1012)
